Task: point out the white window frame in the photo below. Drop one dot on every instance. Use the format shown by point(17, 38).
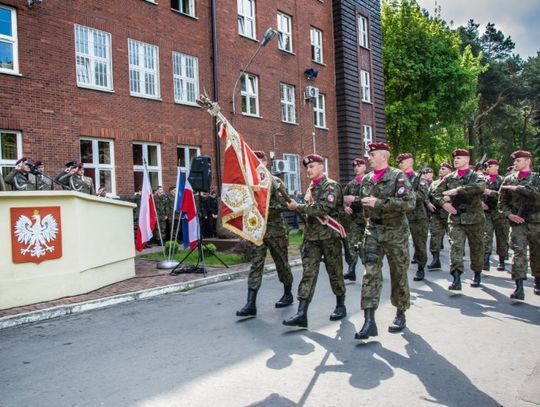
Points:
point(366, 87)
point(185, 78)
point(367, 134)
point(363, 32)
point(13, 41)
point(288, 103)
point(191, 8)
point(139, 71)
point(284, 28)
point(292, 178)
point(249, 93)
point(151, 168)
point(89, 70)
point(97, 166)
point(4, 163)
point(316, 39)
point(185, 169)
point(319, 111)
point(246, 18)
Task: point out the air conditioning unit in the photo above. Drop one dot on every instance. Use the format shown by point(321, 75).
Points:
point(280, 166)
point(311, 92)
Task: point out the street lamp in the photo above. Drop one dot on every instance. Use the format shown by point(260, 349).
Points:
point(268, 35)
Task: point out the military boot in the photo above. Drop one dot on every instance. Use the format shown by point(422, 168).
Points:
point(419, 273)
point(351, 273)
point(340, 312)
point(250, 309)
point(501, 266)
point(287, 298)
point(518, 294)
point(300, 318)
point(486, 262)
point(456, 283)
point(398, 324)
point(370, 327)
point(477, 279)
point(537, 285)
point(436, 262)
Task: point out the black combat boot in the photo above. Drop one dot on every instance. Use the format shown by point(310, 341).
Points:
point(518, 294)
point(398, 324)
point(300, 318)
point(340, 312)
point(456, 283)
point(419, 273)
point(287, 298)
point(477, 279)
point(436, 262)
point(370, 327)
point(486, 262)
point(537, 285)
point(501, 266)
point(250, 309)
point(351, 273)
point(414, 261)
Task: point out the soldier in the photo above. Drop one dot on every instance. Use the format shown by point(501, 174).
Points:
point(276, 240)
point(77, 181)
point(438, 220)
point(427, 174)
point(21, 178)
point(519, 201)
point(460, 194)
point(322, 237)
point(44, 183)
point(67, 168)
point(418, 220)
point(495, 221)
point(2, 185)
point(163, 210)
point(353, 208)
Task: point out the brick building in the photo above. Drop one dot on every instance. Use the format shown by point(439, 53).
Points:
point(113, 83)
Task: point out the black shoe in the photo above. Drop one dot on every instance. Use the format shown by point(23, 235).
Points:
point(456, 283)
point(300, 318)
point(435, 263)
point(370, 327)
point(476, 280)
point(351, 273)
point(398, 324)
point(414, 261)
point(486, 262)
point(419, 273)
point(250, 309)
point(340, 312)
point(518, 294)
point(287, 298)
point(537, 285)
point(501, 266)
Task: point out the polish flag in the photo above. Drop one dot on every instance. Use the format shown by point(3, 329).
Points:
point(147, 214)
point(190, 210)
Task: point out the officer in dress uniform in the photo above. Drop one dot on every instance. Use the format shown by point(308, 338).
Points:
point(276, 240)
point(44, 183)
point(519, 201)
point(67, 168)
point(387, 195)
point(21, 178)
point(77, 181)
point(323, 205)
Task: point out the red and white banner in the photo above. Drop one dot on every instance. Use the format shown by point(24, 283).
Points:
point(190, 209)
point(147, 214)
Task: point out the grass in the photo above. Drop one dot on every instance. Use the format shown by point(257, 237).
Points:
point(230, 259)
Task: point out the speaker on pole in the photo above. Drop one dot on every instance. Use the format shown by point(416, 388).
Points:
point(200, 174)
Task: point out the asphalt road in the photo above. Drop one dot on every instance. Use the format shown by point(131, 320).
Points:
point(189, 349)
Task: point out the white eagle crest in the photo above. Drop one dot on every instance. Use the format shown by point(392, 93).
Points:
point(36, 235)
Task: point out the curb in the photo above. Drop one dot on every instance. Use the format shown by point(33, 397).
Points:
point(68, 309)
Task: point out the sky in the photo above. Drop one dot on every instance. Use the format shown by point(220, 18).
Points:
point(519, 19)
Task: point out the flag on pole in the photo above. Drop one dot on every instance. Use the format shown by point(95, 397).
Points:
point(179, 190)
point(191, 226)
point(147, 214)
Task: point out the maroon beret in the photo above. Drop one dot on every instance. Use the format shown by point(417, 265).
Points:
point(461, 152)
point(21, 160)
point(378, 146)
point(521, 154)
point(261, 155)
point(358, 161)
point(312, 158)
point(38, 163)
point(80, 165)
point(446, 165)
point(403, 156)
point(492, 161)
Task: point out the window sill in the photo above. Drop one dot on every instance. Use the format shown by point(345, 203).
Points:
point(367, 102)
point(322, 128)
point(184, 14)
point(190, 104)
point(254, 116)
point(96, 88)
point(291, 123)
point(287, 52)
point(366, 48)
point(248, 38)
point(156, 98)
point(318, 63)
point(12, 73)
point(151, 2)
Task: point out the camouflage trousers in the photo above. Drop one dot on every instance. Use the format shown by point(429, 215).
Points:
point(394, 243)
point(457, 234)
point(278, 246)
point(163, 228)
point(419, 232)
point(437, 228)
point(498, 224)
point(355, 240)
point(521, 237)
point(312, 254)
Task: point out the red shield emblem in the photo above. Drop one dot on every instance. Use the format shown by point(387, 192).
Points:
point(36, 234)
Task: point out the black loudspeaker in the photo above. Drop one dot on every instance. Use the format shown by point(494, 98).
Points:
point(200, 174)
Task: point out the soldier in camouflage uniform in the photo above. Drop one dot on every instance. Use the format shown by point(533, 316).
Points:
point(418, 220)
point(438, 220)
point(495, 221)
point(387, 195)
point(20, 178)
point(163, 210)
point(323, 204)
point(357, 223)
point(276, 240)
point(460, 194)
point(519, 201)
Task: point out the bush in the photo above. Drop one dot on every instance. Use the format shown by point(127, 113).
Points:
point(210, 248)
point(171, 245)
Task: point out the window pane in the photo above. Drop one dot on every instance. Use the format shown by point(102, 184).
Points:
point(181, 156)
point(137, 154)
point(5, 22)
point(105, 180)
point(6, 55)
point(154, 180)
point(137, 180)
point(91, 172)
point(8, 142)
point(152, 156)
point(104, 148)
point(86, 151)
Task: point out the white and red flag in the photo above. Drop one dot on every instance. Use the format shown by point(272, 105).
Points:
point(147, 214)
point(190, 209)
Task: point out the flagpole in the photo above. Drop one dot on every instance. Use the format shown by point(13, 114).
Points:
point(169, 263)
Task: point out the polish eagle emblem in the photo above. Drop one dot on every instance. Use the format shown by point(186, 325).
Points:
point(36, 234)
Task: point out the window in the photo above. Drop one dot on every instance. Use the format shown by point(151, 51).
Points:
point(93, 58)
point(319, 112)
point(98, 158)
point(249, 88)
point(284, 28)
point(288, 109)
point(292, 178)
point(184, 6)
point(246, 18)
point(9, 50)
point(184, 155)
point(185, 78)
point(316, 45)
point(149, 154)
point(368, 137)
point(143, 69)
point(363, 32)
point(10, 150)
point(366, 94)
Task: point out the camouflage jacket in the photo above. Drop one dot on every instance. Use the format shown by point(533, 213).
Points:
point(352, 188)
point(439, 211)
point(492, 199)
point(21, 181)
point(524, 201)
point(79, 183)
point(325, 198)
point(163, 206)
point(395, 197)
point(420, 188)
point(468, 201)
point(278, 204)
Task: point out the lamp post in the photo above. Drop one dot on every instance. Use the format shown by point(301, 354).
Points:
point(267, 37)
